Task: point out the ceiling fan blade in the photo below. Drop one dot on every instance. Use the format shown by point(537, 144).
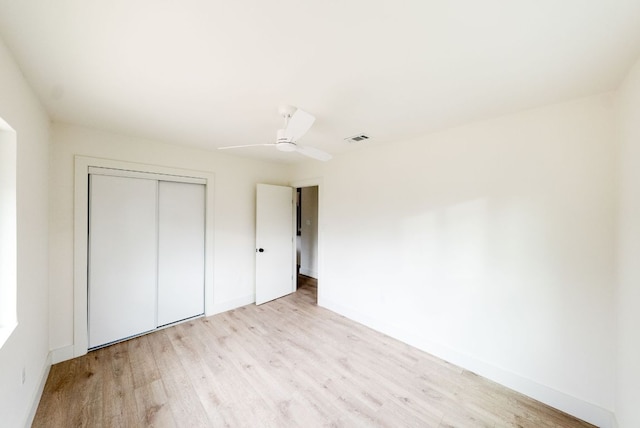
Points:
point(298, 125)
point(313, 153)
point(246, 145)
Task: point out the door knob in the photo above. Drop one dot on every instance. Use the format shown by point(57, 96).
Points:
point(260, 250)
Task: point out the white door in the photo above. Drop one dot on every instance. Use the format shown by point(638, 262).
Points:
point(275, 249)
point(122, 258)
point(180, 251)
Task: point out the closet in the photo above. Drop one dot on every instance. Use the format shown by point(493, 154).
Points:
point(146, 252)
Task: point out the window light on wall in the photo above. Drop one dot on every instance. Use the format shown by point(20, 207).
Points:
point(8, 241)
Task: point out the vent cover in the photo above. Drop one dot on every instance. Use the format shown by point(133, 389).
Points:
point(357, 138)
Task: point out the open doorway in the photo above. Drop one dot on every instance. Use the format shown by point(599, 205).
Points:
point(307, 239)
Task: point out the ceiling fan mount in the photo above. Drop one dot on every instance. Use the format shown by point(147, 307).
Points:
point(286, 111)
point(296, 123)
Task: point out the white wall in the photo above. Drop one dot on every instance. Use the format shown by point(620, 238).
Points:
point(628, 291)
point(234, 222)
point(309, 233)
point(28, 346)
point(491, 245)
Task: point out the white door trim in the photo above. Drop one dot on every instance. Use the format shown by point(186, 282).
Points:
point(94, 170)
point(80, 229)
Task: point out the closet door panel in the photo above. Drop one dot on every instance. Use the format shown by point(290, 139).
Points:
point(181, 208)
point(122, 258)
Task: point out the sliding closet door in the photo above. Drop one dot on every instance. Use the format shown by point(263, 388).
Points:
point(181, 224)
point(122, 258)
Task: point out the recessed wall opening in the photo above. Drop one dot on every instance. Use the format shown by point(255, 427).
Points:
point(307, 237)
point(8, 240)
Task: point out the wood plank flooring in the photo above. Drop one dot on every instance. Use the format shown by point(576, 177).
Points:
point(287, 363)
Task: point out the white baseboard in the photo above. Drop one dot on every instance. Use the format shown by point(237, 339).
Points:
point(219, 307)
point(38, 393)
point(574, 406)
point(308, 272)
point(62, 354)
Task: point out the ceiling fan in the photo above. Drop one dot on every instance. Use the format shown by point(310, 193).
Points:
point(296, 123)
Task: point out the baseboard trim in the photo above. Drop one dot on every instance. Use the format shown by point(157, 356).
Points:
point(219, 307)
point(574, 406)
point(308, 272)
point(38, 393)
point(62, 354)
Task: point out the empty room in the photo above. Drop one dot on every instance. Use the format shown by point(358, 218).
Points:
point(349, 214)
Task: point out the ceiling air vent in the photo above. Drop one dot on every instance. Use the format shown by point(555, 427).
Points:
point(357, 138)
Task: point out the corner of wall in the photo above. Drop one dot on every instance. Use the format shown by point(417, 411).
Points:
point(38, 392)
point(627, 289)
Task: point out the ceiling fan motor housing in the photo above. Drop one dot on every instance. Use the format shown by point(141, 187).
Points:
point(284, 144)
point(286, 147)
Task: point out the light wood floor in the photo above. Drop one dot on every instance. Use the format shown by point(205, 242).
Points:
point(287, 363)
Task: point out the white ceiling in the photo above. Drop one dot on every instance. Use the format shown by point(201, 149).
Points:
point(209, 73)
